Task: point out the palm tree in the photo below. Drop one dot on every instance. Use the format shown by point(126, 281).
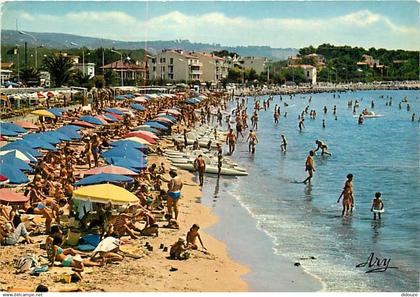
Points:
point(30, 76)
point(60, 69)
point(83, 80)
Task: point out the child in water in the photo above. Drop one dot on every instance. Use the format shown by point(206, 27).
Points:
point(377, 205)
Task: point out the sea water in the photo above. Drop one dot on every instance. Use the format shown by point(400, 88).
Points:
point(304, 221)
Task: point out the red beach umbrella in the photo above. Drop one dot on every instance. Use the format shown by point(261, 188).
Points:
point(145, 137)
point(162, 119)
point(146, 133)
point(3, 180)
point(83, 124)
point(40, 95)
point(2, 138)
point(9, 197)
point(109, 169)
point(117, 116)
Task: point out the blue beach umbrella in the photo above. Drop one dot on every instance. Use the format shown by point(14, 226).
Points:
point(120, 97)
point(103, 178)
point(156, 125)
point(72, 134)
point(114, 110)
point(21, 146)
point(167, 116)
point(137, 106)
point(10, 160)
point(56, 111)
point(12, 127)
point(51, 139)
point(39, 143)
point(129, 153)
point(72, 127)
point(58, 135)
point(148, 128)
point(15, 154)
point(131, 164)
point(6, 132)
point(128, 144)
point(92, 120)
point(14, 175)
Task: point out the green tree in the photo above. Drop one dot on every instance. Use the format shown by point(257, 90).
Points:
point(82, 80)
point(110, 78)
point(235, 75)
point(30, 77)
point(60, 69)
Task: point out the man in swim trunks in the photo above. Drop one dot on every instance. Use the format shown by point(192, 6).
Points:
point(231, 140)
point(324, 149)
point(200, 165)
point(310, 167)
point(301, 124)
point(174, 192)
point(347, 194)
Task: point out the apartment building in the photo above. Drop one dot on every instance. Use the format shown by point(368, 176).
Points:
point(213, 68)
point(259, 64)
point(175, 65)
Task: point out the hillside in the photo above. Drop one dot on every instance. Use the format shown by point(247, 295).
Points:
point(61, 40)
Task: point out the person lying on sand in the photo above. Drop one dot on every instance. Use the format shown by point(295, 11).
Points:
point(11, 236)
point(192, 237)
point(68, 257)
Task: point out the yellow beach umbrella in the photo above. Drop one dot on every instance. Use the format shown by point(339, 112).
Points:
point(139, 140)
point(43, 113)
point(105, 193)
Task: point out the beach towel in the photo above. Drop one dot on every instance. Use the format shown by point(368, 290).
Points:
point(108, 244)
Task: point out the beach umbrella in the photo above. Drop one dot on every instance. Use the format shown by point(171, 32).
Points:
point(72, 127)
point(112, 117)
point(12, 127)
point(147, 128)
point(2, 138)
point(43, 113)
point(156, 125)
point(40, 95)
point(167, 116)
point(139, 140)
point(10, 160)
point(83, 124)
point(5, 132)
point(104, 194)
point(114, 110)
point(42, 137)
point(27, 125)
point(134, 165)
point(14, 175)
point(128, 143)
point(25, 157)
point(39, 143)
point(111, 169)
point(22, 146)
point(117, 116)
point(120, 97)
point(69, 132)
point(137, 106)
point(164, 120)
point(140, 100)
point(93, 120)
point(147, 133)
point(103, 178)
point(140, 135)
point(9, 197)
point(106, 118)
point(56, 111)
point(130, 153)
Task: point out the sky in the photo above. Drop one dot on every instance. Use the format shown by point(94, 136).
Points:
point(281, 24)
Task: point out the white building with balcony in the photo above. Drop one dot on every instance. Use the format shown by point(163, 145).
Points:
point(175, 65)
point(213, 67)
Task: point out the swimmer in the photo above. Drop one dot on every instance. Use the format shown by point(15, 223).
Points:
point(323, 123)
point(253, 140)
point(301, 124)
point(377, 204)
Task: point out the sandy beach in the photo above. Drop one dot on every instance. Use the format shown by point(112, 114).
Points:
point(206, 272)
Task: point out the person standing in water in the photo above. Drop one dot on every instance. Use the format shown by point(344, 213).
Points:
point(377, 205)
point(231, 140)
point(347, 194)
point(301, 124)
point(253, 140)
point(323, 123)
point(310, 167)
point(283, 145)
point(200, 165)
